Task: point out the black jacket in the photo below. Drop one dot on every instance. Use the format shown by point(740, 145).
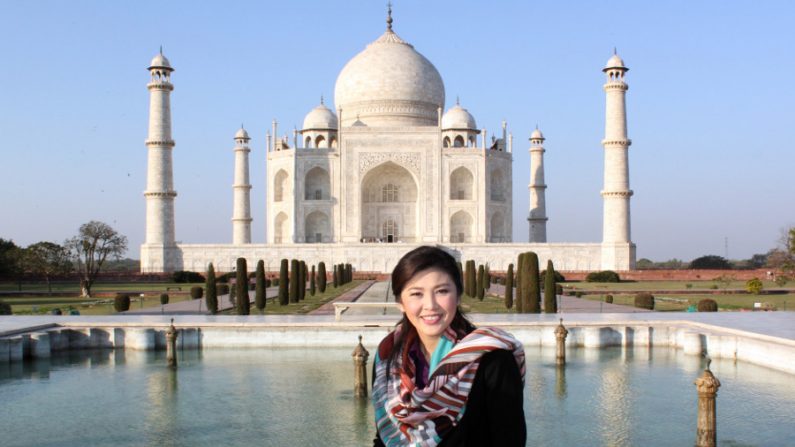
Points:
point(494, 415)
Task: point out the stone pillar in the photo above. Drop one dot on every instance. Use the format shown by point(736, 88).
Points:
point(40, 345)
point(360, 356)
point(241, 214)
point(538, 208)
point(616, 192)
point(160, 193)
point(707, 386)
point(171, 345)
point(560, 348)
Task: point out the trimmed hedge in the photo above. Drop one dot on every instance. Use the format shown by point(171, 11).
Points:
point(223, 289)
point(163, 299)
point(241, 284)
point(609, 299)
point(707, 305)
point(196, 292)
point(284, 284)
point(186, 276)
point(558, 276)
point(603, 276)
point(121, 302)
point(5, 308)
point(550, 300)
point(260, 285)
point(509, 287)
point(644, 301)
point(321, 277)
point(211, 297)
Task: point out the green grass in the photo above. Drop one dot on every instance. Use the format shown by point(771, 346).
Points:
point(643, 286)
point(309, 303)
point(725, 301)
point(86, 306)
point(100, 287)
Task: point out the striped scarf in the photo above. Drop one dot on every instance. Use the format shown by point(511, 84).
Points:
point(407, 415)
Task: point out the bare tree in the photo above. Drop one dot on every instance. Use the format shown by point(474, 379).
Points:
point(95, 241)
point(47, 259)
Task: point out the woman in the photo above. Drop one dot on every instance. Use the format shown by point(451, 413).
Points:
point(437, 379)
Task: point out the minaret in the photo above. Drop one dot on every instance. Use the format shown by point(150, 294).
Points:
point(538, 208)
point(616, 192)
point(159, 192)
point(241, 213)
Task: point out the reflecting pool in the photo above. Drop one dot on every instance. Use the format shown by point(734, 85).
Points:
point(303, 397)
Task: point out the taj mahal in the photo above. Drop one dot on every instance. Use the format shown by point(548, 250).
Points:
point(382, 171)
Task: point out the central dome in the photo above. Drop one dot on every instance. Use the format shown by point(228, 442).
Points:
point(389, 84)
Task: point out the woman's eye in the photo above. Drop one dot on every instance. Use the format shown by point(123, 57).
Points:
point(443, 291)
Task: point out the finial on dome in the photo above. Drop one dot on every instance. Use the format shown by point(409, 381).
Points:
point(321, 99)
point(161, 50)
point(615, 51)
point(389, 16)
point(457, 102)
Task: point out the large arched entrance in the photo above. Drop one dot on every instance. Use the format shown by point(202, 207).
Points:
point(389, 205)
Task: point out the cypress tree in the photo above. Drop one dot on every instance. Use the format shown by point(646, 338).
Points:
point(550, 303)
point(460, 270)
point(335, 277)
point(302, 281)
point(481, 282)
point(211, 297)
point(321, 277)
point(521, 274)
point(509, 287)
point(243, 301)
point(487, 278)
point(294, 277)
point(534, 291)
point(349, 272)
point(283, 296)
point(312, 282)
point(469, 283)
point(259, 294)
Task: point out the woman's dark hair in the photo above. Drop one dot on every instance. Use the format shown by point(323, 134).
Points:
point(416, 261)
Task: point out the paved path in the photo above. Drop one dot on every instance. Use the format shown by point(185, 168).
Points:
point(378, 293)
point(199, 307)
point(571, 304)
point(354, 294)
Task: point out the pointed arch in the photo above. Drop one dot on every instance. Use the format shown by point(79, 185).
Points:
point(317, 184)
point(461, 184)
point(497, 186)
point(461, 227)
point(497, 227)
point(459, 141)
point(281, 229)
point(317, 228)
point(280, 185)
point(446, 142)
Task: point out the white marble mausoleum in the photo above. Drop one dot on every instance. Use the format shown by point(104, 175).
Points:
point(385, 169)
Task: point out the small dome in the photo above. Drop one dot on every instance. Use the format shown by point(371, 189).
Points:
point(536, 135)
point(615, 62)
point(159, 61)
point(321, 117)
point(458, 118)
point(242, 135)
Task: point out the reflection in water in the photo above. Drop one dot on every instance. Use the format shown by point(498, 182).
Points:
point(611, 397)
point(560, 381)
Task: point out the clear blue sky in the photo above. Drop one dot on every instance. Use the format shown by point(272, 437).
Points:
point(710, 107)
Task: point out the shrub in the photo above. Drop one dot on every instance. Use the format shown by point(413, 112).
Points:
point(260, 285)
point(56, 311)
point(5, 308)
point(312, 282)
point(121, 302)
point(225, 277)
point(470, 279)
point(578, 294)
point(603, 276)
point(520, 282)
point(481, 283)
point(335, 276)
point(644, 301)
point(321, 277)
point(550, 300)
point(609, 299)
point(294, 277)
point(223, 289)
point(211, 297)
point(531, 296)
point(754, 286)
point(163, 299)
point(688, 286)
point(301, 280)
point(183, 276)
point(710, 262)
point(283, 284)
point(707, 305)
point(781, 280)
point(558, 289)
point(243, 301)
point(196, 292)
point(509, 287)
point(558, 276)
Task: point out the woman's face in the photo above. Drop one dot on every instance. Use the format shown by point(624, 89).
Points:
point(429, 301)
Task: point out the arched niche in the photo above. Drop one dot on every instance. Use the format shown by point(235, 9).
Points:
point(317, 228)
point(317, 184)
point(280, 185)
point(461, 184)
point(389, 193)
point(461, 227)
